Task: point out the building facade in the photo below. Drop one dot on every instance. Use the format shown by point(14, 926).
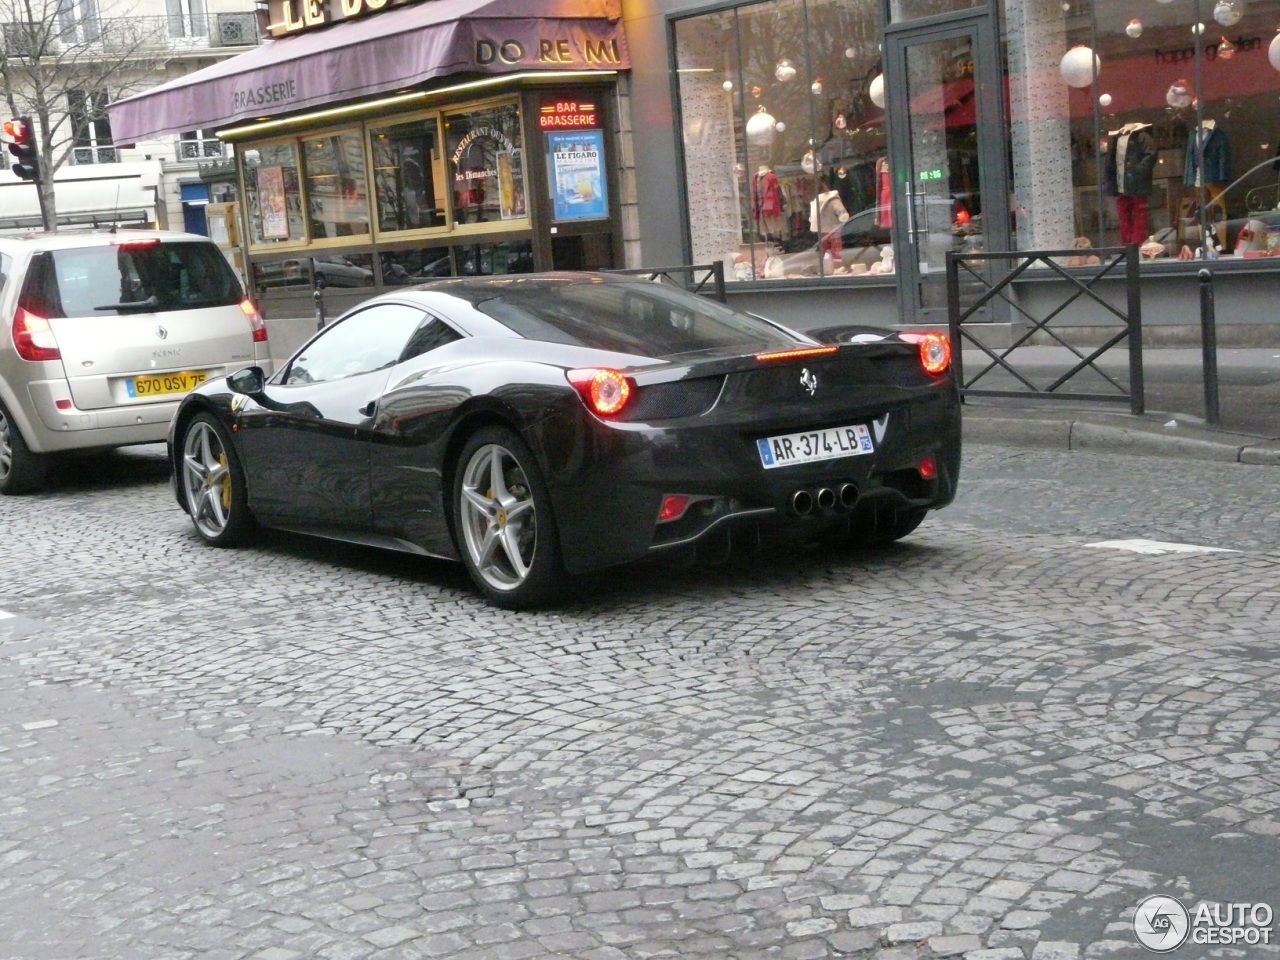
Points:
point(381, 146)
point(68, 60)
point(829, 153)
point(842, 147)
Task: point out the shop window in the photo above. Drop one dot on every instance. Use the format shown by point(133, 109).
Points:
point(1120, 157)
point(408, 181)
point(486, 166)
point(337, 189)
point(901, 10)
point(272, 194)
point(321, 272)
point(784, 147)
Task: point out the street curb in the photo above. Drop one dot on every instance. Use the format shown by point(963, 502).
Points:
point(1149, 439)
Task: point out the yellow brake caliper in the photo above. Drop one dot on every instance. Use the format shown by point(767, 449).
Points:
point(226, 482)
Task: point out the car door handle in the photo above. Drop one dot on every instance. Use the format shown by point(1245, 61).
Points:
point(368, 408)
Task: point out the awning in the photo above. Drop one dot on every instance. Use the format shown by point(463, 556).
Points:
point(376, 55)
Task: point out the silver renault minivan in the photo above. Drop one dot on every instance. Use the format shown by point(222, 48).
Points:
point(104, 333)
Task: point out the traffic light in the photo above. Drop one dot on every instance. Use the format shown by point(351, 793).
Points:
point(22, 144)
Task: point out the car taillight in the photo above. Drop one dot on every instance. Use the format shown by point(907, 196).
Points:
point(255, 320)
point(935, 351)
point(33, 337)
point(606, 392)
point(928, 468)
point(674, 506)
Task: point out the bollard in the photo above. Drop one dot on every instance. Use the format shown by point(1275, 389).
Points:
point(319, 298)
point(1209, 346)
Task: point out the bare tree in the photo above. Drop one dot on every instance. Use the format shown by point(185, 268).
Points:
point(57, 65)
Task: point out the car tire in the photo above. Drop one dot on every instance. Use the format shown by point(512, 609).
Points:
point(502, 521)
point(21, 471)
point(212, 483)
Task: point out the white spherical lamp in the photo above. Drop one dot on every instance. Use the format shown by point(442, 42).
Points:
point(1228, 12)
point(876, 90)
point(1079, 66)
point(760, 128)
point(1273, 52)
point(1105, 100)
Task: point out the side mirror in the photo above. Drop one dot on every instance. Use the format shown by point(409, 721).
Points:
point(248, 381)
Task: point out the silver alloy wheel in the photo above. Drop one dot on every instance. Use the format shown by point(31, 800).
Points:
point(206, 479)
point(499, 520)
point(6, 447)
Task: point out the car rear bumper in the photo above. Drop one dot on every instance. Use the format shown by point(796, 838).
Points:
point(608, 481)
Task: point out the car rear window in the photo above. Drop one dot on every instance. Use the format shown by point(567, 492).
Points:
point(129, 277)
point(644, 319)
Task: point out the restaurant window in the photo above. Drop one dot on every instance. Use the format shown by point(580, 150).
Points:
point(492, 259)
point(486, 166)
point(784, 147)
point(406, 267)
point(337, 188)
point(1112, 142)
point(272, 194)
point(408, 181)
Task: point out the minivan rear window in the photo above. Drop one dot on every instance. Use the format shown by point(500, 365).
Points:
point(128, 278)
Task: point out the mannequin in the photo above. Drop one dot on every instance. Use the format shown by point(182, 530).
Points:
point(1217, 157)
point(1130, 162)
point(766, 202)
point(826, 213)
point(847, 189)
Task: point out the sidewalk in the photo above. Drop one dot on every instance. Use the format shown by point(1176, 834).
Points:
point(1174, 424)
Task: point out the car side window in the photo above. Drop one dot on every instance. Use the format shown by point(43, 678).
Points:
point(367, 340)
point(432, 332)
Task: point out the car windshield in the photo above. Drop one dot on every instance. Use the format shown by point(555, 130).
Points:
point(130, 277)
point(646, 319)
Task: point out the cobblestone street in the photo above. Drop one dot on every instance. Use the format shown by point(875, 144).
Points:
point(991, 741)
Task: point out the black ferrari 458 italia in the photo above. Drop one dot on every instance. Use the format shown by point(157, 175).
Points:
point(538, 426)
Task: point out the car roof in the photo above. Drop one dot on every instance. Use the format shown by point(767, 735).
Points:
point(71, 239)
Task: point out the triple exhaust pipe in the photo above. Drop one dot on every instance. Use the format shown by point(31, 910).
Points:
point(804, 502)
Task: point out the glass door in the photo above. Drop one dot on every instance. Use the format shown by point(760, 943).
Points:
point(945, 104)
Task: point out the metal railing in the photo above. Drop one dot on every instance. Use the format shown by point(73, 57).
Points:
point(703, 278)
point(201, 149)
point(1082, 285)
point(98, 36)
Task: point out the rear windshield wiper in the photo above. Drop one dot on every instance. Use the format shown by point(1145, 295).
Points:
point(148, 304)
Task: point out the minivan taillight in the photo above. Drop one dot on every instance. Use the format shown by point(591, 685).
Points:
point(255, 320)
point(33, 337)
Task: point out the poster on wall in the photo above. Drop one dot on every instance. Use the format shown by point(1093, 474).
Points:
point(271, 203)
point(579, 190)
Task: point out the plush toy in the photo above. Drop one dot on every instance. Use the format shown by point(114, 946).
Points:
point(1083, 259)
